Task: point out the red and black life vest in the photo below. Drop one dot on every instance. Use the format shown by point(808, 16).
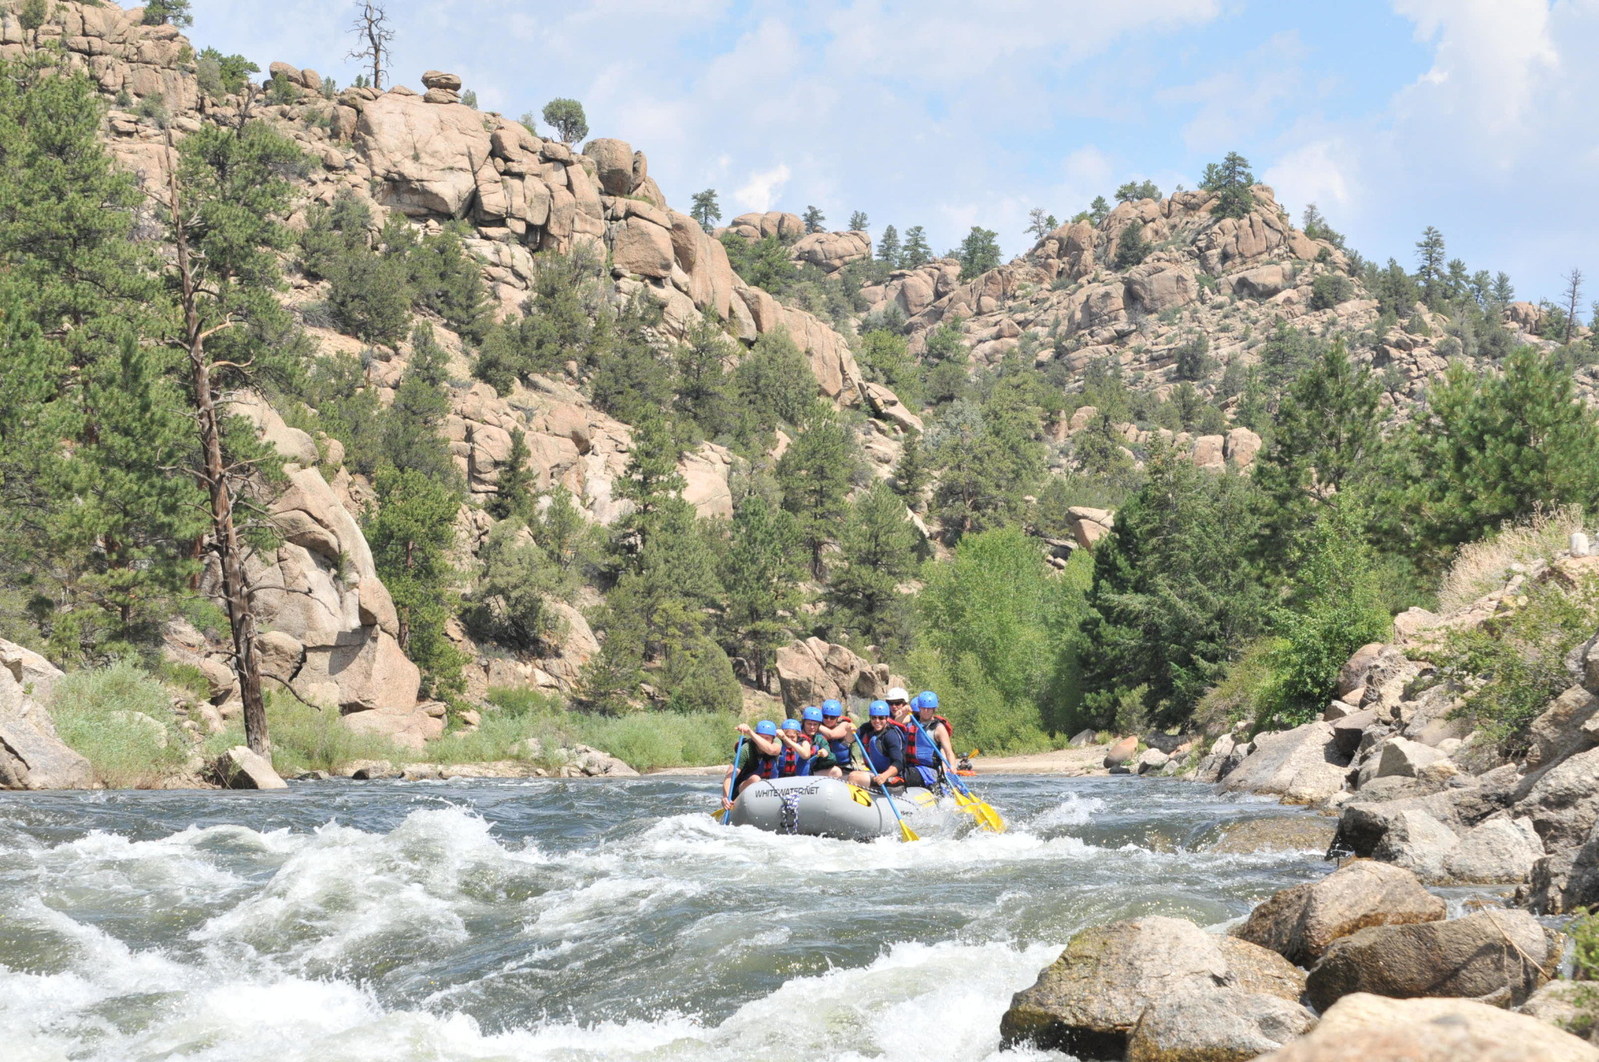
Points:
point(791, 763)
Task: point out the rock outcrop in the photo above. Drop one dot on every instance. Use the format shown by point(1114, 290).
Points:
point(32, 756)
point(811, 671)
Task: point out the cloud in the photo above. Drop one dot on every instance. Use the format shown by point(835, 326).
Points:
point(1314, 173)
point(763, 189)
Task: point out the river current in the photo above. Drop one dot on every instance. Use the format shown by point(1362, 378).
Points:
point(570, 920)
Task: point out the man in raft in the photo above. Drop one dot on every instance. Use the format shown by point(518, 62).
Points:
point(837, 734)
point(921, 757)
point(923, 707)
point(756, 758)
point(885, 742)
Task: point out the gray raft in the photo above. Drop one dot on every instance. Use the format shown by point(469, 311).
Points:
point(826, 807)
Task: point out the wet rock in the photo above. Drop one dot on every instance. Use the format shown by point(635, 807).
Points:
point(1216, 1025)
point(1369, 1028)
point(1302, 922)
point(1089, 1001)
point(1279, 833)
point(1497, 957)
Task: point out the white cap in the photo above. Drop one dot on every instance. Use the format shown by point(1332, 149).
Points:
point(897, 694)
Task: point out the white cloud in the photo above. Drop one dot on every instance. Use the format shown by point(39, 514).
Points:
point(1313, 173)
point(1493, 58)
point(763, 189)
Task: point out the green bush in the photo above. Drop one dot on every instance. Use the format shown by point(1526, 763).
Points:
point(1513, 665)
point(305, 738)
point(120, 718)
point(1330, 289)
point(644, 740)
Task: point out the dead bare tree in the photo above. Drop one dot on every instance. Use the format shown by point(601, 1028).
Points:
point(1573, 281)
point(371, 26)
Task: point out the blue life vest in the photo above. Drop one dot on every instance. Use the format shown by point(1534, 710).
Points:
point(790, 763)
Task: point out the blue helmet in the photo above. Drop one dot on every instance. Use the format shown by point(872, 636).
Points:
point(831, 709)
point(879, 710)
point(766, 728)
point(927, 699)
point(916, 703)
point(812, 712)
point(791, 724)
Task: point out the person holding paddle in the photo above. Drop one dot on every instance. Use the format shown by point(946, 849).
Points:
point(837, 735)
point(756, 757)
point(924, 704)
point(884, 747)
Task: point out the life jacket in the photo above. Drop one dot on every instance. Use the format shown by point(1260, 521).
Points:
point(843, 749)
point(949, 728)
point(919, 750)
point(876, 758)
point(790, 763)
point(767, 766)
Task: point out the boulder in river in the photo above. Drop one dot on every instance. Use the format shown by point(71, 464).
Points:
point(1300, 923)
point(1302, 765)
point(1089, 1001)
point(1276, 833)
point(1216, 1025)
point(1496, 957)
point(1370, 1028)
point(239, 768)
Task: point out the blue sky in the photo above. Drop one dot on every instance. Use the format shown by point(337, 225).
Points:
point(1470, 115)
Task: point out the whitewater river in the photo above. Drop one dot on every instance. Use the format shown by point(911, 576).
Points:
point(569, 920)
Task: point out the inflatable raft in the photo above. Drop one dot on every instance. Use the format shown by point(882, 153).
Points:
point(826, 807)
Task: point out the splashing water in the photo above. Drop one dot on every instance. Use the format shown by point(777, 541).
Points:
point(568, 920)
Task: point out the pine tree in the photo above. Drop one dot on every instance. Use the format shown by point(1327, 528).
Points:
point(816, 473)
point(421, 404)
point(917, 252)
point(761, 570)
point(888, 248)
point(701, 384)
point(513, 492)
point(1323, 442)
point(1231, 181)
point(814, 219)
point(1430, 268)
point(705, 209)
point(225, 200)
point(979, 252)
point(877, 552)
point(412, 535)
point(857, 221)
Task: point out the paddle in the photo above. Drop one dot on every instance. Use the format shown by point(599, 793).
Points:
point(732, 780)
point(979, 810)
point(905, 832)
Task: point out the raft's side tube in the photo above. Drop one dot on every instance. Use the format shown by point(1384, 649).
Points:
point(823, 807)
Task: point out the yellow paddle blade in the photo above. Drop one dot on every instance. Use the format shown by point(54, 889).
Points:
point(981, 811)
point(906, 833)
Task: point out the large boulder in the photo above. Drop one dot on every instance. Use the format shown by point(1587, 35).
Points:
point(1563, 801)
point(428, 158)
point(1369, 1028)
point(1499, 851)
point(1418, 842)
point(32, 756)
point(240, 768)
point(1216, 1025)
point(1302, 765)
point(1566, 727)
point(1089, 1001)
point(1563, 881)
point(812, 670)
point(1302, 922)
point(642, 247)
point(1497, 957)
point(831, 251)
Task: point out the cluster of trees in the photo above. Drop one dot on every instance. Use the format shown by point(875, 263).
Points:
point(1338, 527)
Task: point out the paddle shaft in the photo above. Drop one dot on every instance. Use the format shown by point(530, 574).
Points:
point(950, 773)
point(866, 760)
point(732, 780)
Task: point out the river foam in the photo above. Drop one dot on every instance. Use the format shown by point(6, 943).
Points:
point(562, 922)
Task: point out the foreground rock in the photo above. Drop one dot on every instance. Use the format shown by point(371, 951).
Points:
point(1092, 998)
point(1216, 1025)
point(1369, 1028)
point(32, 756)
point(1301, 923)
point(1496, 957)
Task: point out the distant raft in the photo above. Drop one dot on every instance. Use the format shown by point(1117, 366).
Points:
point(826, 807)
